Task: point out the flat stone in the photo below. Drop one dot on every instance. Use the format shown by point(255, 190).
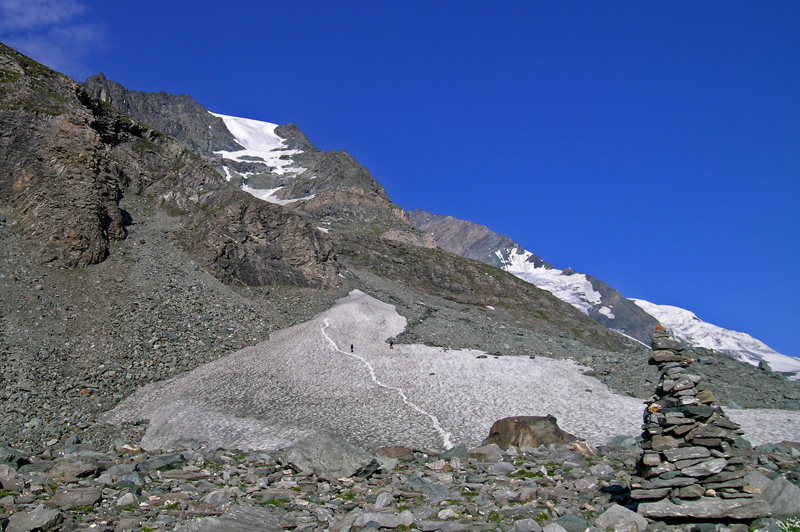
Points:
point(572, 523)
point(683, 384)
point(657, 493)
point(662, 442)
point(72, 470)
point(487, 453)
point(237, 519)
point(396, 451)
point(180, 474)
point(527, 432)
point(707, 508)
point(682, 464)
point(726, 475)
point(691, 492)
point(666, 344)
point(501, 468)
point(40, 518)
point(162, 463)
point(706, 397)
point(526, 525)
point(385, 519)
point(661, 357)
point(712, 431)
point(704, 469)
point(701, 412)
point(720, 420)
point(783, 497)
point(686, 453)
point(651, 459)
point(620, 519)
point(75, 498)
point(675, 482)
point(736, 483)
point(660, 469)
point(683, 429)
point(711, 443)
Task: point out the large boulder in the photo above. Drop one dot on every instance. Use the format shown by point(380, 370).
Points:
point(330, 457)
point(40, 518)
point(237, 519)
point(782, 496)
point(620, 519)
point(527, 431)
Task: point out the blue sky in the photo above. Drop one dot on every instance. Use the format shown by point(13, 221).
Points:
point(654, 145)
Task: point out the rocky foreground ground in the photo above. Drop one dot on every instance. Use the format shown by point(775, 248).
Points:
point(323, 483)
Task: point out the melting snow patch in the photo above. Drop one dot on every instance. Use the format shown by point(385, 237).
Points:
point(335, 373)
point(605, 311)
point(261, 144)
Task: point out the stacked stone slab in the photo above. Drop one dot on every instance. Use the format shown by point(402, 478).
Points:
point(690, 465)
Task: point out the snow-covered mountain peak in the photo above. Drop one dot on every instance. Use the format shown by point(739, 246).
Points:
point(690, 329)
point(262, 147)
point(574, 288)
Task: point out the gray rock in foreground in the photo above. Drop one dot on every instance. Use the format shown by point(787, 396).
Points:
point(40, 518)
point(236, 519)
point(329, 456)
point(707, 508)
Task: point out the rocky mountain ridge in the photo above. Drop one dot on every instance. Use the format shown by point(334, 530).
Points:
point(604, 304)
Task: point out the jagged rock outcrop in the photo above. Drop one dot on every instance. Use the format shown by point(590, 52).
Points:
point(176, 115)
point(691, 464)
point(66, 158)
point(252, 242)
point(462, 237)
point(343, 191)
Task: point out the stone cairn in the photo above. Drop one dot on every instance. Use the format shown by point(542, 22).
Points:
point(691, 467)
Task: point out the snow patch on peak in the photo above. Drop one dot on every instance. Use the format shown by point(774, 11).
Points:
point(690, 329)
point(574, 288)
point(260, 142)
point(261, 145)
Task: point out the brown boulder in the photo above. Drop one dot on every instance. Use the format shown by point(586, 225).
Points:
point(527, 431)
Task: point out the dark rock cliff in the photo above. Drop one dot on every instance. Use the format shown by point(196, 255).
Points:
point(66, 159)
point(176, 115)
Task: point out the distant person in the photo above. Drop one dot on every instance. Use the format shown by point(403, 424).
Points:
point(351, 348)
point(391, 343)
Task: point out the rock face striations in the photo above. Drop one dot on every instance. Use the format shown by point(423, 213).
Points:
point(691, 462)
point(178, 116)
point(67, 159)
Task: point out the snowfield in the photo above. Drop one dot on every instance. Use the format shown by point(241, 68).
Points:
point(305, 379)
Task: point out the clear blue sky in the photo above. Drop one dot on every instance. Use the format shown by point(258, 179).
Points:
point(654, 145)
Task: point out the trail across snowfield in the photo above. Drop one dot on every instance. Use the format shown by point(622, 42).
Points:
point(445, 435)
point(300, 381)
